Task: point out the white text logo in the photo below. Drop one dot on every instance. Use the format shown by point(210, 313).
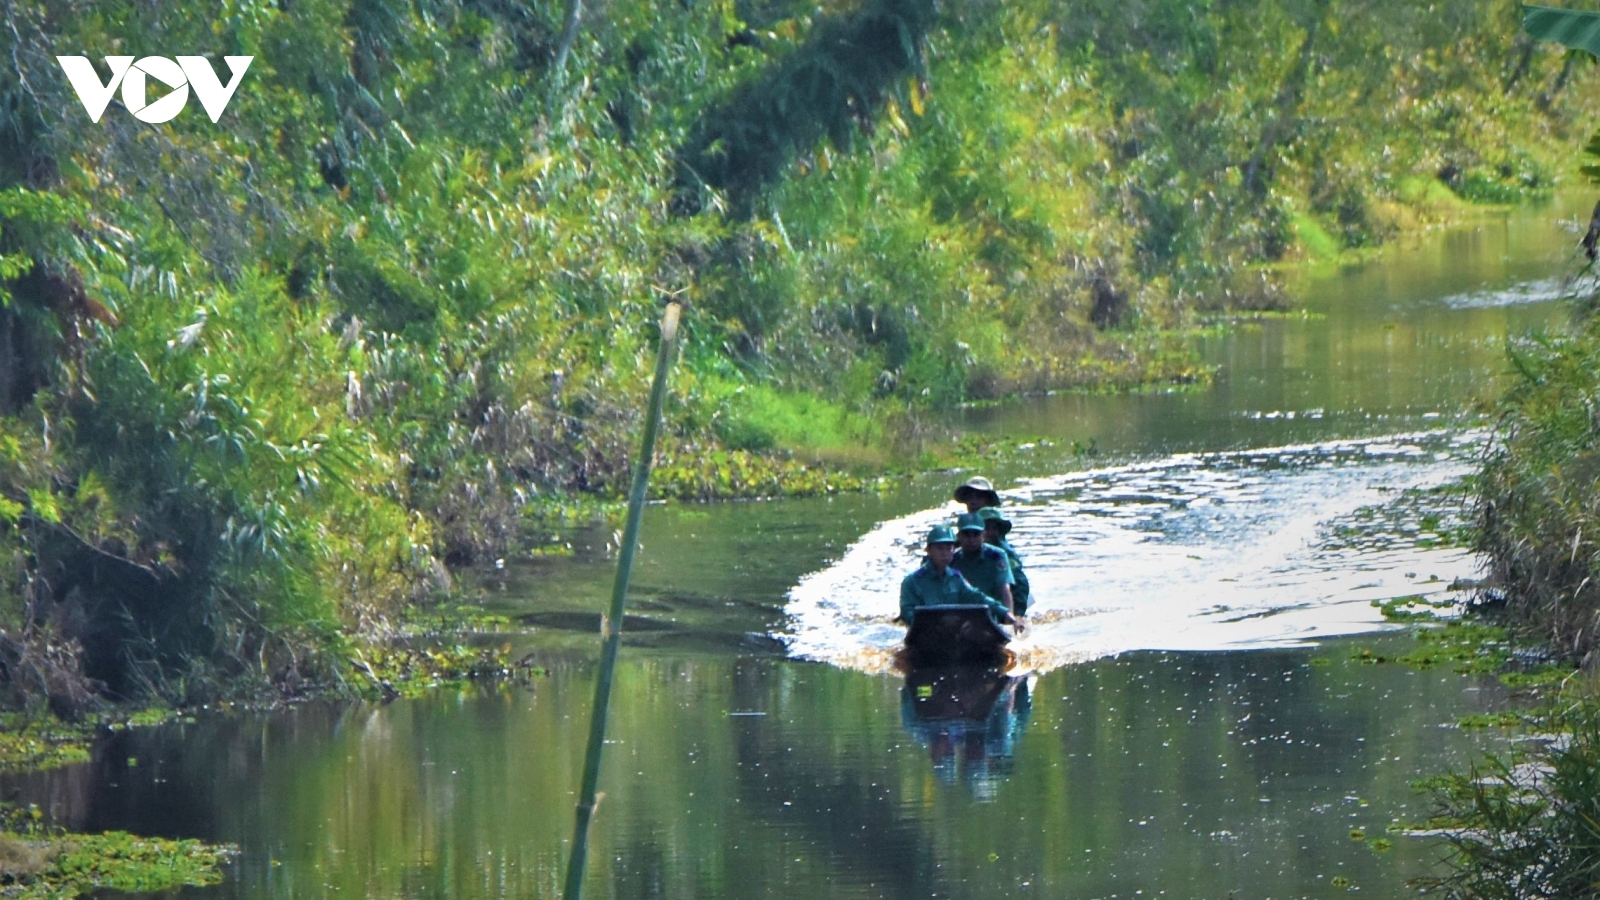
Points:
point(134, 77)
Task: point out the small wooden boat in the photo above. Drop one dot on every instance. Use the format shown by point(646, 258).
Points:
point(956, 634)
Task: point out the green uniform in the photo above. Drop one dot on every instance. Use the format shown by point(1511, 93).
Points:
point(926, 587)
point(987, 569)
point(1020, 589)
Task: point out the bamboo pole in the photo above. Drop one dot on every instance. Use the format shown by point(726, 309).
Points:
point(587, 800)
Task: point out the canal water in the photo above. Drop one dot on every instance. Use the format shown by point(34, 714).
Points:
point(1197, 712)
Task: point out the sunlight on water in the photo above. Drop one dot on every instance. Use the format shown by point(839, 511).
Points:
point(1202, 551)
point(1540, 291)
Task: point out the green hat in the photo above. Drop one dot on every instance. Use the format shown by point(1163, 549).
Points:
point(969, 522)
point(941, 534)
point(981, 487)
point(993, 514)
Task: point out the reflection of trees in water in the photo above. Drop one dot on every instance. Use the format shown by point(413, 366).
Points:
point(1157, 776)
point(837, 806)
point(1264, 752)
point(970, 720)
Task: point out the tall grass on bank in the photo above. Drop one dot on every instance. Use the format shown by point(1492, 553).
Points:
point(1527, 825)
point(1538, 503)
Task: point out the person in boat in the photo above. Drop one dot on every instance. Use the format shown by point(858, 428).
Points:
point(986, 567)
point(977, 493)
point(936, 583)
point(995, 528)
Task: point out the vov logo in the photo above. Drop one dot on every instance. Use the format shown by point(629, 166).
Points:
point(134, 78)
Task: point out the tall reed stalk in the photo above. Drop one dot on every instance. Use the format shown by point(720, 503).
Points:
point(587, 799)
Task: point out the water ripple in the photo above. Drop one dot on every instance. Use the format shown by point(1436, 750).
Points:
point(1197, 551)
point(1541, 291)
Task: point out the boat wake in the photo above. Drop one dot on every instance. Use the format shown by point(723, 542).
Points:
point(1205, 551)
point(1541, 291)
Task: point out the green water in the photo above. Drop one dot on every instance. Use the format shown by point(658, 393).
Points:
point(1185, 733)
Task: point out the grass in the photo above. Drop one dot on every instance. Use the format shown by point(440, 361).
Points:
point(1319, 245)
point(1526, 824)
point(1538, 497)
point(1431, 194)
point(758, 417)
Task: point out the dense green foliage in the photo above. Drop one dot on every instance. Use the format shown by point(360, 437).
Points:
point(261, 381)
point(1537, 498)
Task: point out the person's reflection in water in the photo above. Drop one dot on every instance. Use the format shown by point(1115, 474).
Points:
point(970, 720)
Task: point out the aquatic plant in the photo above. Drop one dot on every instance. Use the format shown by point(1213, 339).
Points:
point(39, 861)
point(1527, 824)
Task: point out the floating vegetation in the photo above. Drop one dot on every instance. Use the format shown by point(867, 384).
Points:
point(36, 742)
point(1503, 719)
point(1436, 516)
point(451, 619)
point(726, 474)
point(40, 740)
point(1473, 647)
point(406, 670)
point(42, 863)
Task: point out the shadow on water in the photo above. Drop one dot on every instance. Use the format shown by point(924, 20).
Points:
point(677, 622)
point(970, 719)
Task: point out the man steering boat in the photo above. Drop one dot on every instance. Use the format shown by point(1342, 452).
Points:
point(938, 583)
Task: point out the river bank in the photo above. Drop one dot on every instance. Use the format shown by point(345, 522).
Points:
point(1521, 821)
point(268, 384)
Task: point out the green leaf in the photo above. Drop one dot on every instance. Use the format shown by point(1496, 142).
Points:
point(1575, 29)
point(44, 505)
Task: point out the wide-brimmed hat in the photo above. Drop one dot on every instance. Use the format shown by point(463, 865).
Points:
point(993, 514)
point(941, 534)
point(981, 487)
point(969, 522)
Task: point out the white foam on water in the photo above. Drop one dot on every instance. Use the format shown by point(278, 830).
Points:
point(1202, 551)
point(1541, 291)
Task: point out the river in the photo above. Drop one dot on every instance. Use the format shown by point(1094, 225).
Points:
point(1195, 718)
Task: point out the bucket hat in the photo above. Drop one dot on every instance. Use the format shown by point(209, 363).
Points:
point(993, 514)
point(980, 487)
point(969, 522)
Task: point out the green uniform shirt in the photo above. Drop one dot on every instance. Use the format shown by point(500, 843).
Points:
point(926, 587)
point(1020, 589)
point(987, 570)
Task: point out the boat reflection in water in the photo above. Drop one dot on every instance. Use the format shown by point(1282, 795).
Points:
point(970, 719)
